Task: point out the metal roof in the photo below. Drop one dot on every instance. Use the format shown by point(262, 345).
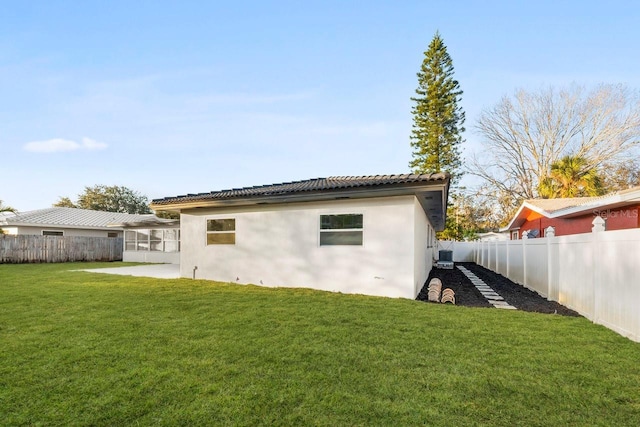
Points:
point(334, 183)
point(72, 218)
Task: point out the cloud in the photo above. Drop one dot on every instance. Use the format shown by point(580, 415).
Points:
point(58, 144)
point(92, 144)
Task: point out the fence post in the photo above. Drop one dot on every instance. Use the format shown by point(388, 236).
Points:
point(508, 249)
point(598, 227)
point(525, 237)
point(475, 251)
point(549, 233)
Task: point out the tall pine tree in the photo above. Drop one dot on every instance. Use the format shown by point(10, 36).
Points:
point(437, 118)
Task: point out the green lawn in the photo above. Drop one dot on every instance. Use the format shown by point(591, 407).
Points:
point(81, 348)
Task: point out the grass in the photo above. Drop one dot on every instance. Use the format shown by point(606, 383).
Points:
point(81, 348)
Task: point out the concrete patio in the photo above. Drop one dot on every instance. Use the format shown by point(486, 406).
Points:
point(158, 271)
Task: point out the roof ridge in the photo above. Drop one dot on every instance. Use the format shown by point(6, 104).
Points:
point(309, 185)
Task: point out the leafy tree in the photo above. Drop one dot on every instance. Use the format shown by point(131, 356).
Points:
point(571, 176)
point(621, 176)
point(437, 117)
point(64, 202)
point(110, 199)
point(468, 215)
point(167, 214)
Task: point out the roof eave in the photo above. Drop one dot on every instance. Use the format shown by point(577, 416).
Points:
point(355, 193)
point(616, 201)
point(142, 224)
point(47, 225)
point(511, 224)
point(435, 210)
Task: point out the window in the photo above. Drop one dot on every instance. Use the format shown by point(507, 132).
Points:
point(112, 234)
point(172, 240)
point(129, 240)
point(157, 240)
point(142, 237)
point(514, 235)
point(345, 229)
point(52, 233)
point(221, 231)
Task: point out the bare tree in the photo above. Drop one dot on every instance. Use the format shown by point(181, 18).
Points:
point(525, 134)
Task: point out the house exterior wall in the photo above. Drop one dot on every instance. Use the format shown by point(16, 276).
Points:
point(278, 245)
point(29, 230)
point(152, 257)
point(423, 250)
point(616, 219)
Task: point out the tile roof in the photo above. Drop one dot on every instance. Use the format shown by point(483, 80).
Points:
point(552, 205)
point(563, 208)
point(334, 183)
point(72, 217)
point(557, 205)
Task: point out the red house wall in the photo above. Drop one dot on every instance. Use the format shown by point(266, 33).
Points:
point(616, 219)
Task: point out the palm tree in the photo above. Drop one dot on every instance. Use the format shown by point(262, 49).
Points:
point(571, 176)
point(5, 208)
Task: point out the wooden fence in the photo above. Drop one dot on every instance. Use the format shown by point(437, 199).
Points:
point(26, 249)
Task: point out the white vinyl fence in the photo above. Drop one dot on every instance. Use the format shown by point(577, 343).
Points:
point(462, 251)
point(596, 274)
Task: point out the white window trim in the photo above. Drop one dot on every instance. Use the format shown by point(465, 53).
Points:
point(148, 240)
point(320, 230)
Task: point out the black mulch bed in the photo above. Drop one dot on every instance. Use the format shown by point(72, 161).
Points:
point(467, 294)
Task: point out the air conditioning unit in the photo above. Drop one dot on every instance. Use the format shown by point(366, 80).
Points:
point(445, 259)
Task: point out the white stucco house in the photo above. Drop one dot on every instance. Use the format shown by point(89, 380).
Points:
point(493, 236)
point(372, 235)
point(67, 222)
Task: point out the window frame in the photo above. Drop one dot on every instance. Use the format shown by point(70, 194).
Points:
point(128, 241)
point(220, 232)
point(54, 233)
point(341, 230)
point(132, 243)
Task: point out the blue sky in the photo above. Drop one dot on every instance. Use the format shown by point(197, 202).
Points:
point(180, 97)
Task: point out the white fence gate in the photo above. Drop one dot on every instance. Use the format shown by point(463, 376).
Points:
point(596, 274)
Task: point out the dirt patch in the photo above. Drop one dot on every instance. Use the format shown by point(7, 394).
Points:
point(514, 294)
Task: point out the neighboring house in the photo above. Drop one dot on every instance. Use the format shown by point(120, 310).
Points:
point(371, 235)
point(620, 210)
point(67, 222)
point(151, 239)
point(492, 236)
